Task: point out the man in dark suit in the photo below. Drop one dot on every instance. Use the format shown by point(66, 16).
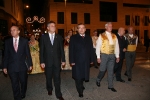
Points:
point(51, 57)
point(81, 55)
point(122, 48)
point(16, 54)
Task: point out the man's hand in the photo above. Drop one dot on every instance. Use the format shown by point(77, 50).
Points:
point(117, 60)
point(30, 68)
point(91, 63)
point(63, 63)
point(43, 65)
point(5, 70)
point(124, 50)
point(98, 60)
point(72, 64)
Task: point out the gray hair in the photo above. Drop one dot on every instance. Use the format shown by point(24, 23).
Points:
point(107, 24)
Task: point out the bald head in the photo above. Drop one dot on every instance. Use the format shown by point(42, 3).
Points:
point(121, 31)
point(14, 30)
point(130, 30)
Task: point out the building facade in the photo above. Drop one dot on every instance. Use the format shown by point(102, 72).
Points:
point(95, 13)
point(11, 13)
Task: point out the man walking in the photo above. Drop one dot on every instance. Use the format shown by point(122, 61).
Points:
point(81, 55)
point(51, 58)
point(16, 55)
point(107, 50)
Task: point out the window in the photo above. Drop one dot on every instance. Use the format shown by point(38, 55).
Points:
point(86, 18)
point(127, 20)
point(74, 18)
point(61, 32)
point(88, 32)
point(2, 3)
point(146, 20)
point(60, 17)
point(137, 20)
point(108, 11)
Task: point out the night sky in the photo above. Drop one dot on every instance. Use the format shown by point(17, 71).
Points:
point(36, 7)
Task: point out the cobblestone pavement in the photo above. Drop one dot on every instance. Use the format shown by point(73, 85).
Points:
point(138, 89)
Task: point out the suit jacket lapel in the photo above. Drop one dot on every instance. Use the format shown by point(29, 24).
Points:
point(19, 44)
point(12, 44)
point(55, 39)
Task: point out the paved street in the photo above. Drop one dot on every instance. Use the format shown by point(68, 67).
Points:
point(138, 89)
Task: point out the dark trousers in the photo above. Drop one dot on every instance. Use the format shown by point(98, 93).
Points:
point(95, 58)
point(19, 84)
point(79, 86)
point(130, 59)
point(118, 68)
point(53, 73)
point(107, 62)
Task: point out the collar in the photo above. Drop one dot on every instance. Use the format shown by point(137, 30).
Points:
point(51, 33)
point(82, 34)
point(16, 38)
point(107, 32)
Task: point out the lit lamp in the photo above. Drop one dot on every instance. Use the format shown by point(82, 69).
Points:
point(27, 6)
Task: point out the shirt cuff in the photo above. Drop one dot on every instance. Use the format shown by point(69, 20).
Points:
point(98, 57)
point(117, 56)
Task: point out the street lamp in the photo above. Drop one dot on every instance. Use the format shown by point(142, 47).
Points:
point(27, 6)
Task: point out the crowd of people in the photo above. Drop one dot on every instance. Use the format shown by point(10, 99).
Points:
point(78, 52)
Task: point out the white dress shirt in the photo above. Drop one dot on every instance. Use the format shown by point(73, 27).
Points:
point(50, 36)
point(82, 35)
point(131, 35)
point(17, 41)
point(99, 44)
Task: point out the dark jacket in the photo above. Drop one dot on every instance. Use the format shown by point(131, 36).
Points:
point(122, 44)
point(81, 53)
point(51, 55)
point(15, 61)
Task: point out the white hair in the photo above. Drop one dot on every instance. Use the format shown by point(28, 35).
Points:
point(107, 24)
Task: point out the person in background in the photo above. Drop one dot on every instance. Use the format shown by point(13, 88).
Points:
point(80, 55)
point(51, 58)
point(122, 48)
point(16, 53)
point(66, 50)
point(34, 50)
point(130, 55)
point(107, 50)
point(94, 39)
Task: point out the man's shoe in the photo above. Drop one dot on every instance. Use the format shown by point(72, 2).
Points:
point(60, 98)
point(96, 67)
point(112, 89)
point(22, 97)
point(83, 88)
point(129, 79)
point(121, 80)
point(49, 92)
point(81, 95)
point(98, 84)
point(125, 74)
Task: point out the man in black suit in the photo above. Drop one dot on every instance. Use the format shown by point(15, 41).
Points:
point(81, 55)
point(16, 54)
point(51, 57)
point(122, 48)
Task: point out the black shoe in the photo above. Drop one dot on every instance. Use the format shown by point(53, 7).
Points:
point(83, 88)
point(81, 95)
point(112, 89)
point(98, 84)
point(121, 80)
point(22, 97)
point(129, 79)
point(125, 74)
point(96, 67)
